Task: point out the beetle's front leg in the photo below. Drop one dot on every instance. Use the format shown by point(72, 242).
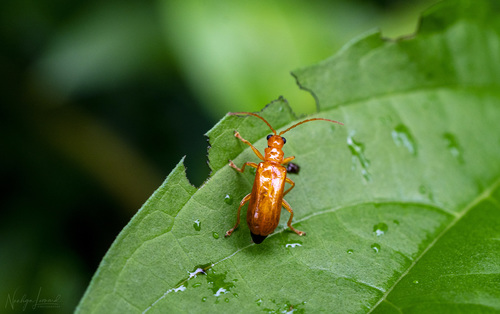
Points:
point(243, 201)
point(288, 159)
point(255, 150)
point(287, 206)
point(251, 164)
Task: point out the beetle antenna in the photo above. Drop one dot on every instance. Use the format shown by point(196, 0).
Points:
point(255, 115)
point(308, 120)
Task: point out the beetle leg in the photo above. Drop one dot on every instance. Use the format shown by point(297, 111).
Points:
point(292, 183)
point(287, 206)
point(255, 150)
point(251, 164)
point(288, 159)
point(243, 202)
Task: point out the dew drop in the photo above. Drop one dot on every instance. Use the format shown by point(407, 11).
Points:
point(291, 242)
point(357, 150)
point(422, 189)
point(215, 235)
point(375, 247)
point(380, 229)
point(259, 302)
point(228, 199)
point(204, 299)
point(402, 137)
point(415, 281)
point(181, 288)
point(218, 282)
point(453, 147)
point(350, 251)
point(197, 271)
point(235, 295)
point(220, 292)
point(197, 225)
point(196, 285)
point(396, 222)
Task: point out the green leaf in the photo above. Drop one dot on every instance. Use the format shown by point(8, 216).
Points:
point(401, 205)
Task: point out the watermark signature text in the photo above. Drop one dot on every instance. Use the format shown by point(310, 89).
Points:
point(17, 301)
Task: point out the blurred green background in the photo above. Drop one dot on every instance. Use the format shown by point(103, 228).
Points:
point(100, 100)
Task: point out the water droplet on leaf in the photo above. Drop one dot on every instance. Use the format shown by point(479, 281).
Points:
point(357, 150)
point(181, 288)
point(422, 189)
point(380, 229)
point(228, 199)
point(219, 284)
point(402, 137)
point(375, 247)
point(220, 292)
point(197, 225)
point(453, 147)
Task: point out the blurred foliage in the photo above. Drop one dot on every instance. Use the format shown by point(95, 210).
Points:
point(100, 100)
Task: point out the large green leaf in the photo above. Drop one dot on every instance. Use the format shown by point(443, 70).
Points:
point(401, 205)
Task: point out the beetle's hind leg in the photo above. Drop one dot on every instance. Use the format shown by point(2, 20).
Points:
point(287, 206)
point(243, 202)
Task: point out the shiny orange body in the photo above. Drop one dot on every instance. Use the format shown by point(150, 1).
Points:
point(266, 199)
point(264, 207)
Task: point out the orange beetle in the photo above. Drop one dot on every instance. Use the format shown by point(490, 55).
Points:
point(266, 198)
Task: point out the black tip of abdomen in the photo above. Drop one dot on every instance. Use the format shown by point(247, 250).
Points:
point(257, 239)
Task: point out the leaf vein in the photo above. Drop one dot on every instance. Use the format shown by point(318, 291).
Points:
point(484, 195)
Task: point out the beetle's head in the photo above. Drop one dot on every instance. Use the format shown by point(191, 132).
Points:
point(275, 141)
